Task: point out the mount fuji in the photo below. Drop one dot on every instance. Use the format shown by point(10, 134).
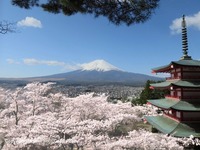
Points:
point(98, 65)
point(100, 72)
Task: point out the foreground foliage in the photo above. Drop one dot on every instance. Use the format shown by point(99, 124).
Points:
point(32, 117)
point(117, 11)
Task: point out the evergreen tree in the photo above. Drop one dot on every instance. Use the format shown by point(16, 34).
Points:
point(146, 93)
point(149, 93)
point(117, 11)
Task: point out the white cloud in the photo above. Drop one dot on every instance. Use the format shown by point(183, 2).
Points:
point(30, 22)
point(12, 61)
point(191, 21)
point(65, 66)
point(32, 61)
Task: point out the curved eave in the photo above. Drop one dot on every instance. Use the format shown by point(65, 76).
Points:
point(186, 106)
point(161, 84)
point(189, 84)
point(163, 103)
point(165, 68)
point(163, 124)
point(174, 128)
point(179, 83)
point(186, 130)
point(175, 104)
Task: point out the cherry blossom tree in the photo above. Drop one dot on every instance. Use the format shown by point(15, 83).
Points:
point(35, 94)
point(49, 120)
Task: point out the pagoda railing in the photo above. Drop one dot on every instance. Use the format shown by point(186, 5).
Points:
point(172, 78)
point(183, 97)
point(187, 77)
point(172, 97)
point(172, 116)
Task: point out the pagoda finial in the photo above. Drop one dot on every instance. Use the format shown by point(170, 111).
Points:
point(184, 40)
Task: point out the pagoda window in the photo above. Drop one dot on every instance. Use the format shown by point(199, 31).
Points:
point(179, 93)
point(172, 93)
point(178, 114)
point(179, 75)
point(175, 75)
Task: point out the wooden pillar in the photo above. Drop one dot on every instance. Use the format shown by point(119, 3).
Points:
point(181, 72)
point(181, 119)
point(181, 93)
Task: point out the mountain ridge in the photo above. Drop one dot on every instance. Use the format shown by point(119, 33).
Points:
point(112, 76)
point(95, 72)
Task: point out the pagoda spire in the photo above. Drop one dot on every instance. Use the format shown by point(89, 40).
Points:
point(184, 40)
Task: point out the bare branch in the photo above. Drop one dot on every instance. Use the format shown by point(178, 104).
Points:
point(6, 27)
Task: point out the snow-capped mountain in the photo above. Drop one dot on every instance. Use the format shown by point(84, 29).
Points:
point(98, 65)
point(100, 72)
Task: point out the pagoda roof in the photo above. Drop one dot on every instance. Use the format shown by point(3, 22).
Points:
point(163, 103)
point(186, 106)
point(180, 83)
point(174, 128)
point(175, 104)
point(183, 62)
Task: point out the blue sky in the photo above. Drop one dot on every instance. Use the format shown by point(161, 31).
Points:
point(46, 44)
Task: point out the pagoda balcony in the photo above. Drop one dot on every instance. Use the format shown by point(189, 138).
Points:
point(172, 97)
point(186, 77)
point(173, 78)
point(181, 97)
point(172, 116)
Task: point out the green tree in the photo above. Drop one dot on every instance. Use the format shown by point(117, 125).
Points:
point(146, 93)
point(149, 93)
point(117, 11)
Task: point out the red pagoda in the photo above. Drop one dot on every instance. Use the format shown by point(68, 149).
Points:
point(181, 108)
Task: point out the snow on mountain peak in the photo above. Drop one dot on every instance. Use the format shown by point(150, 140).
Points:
point(98, 65)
